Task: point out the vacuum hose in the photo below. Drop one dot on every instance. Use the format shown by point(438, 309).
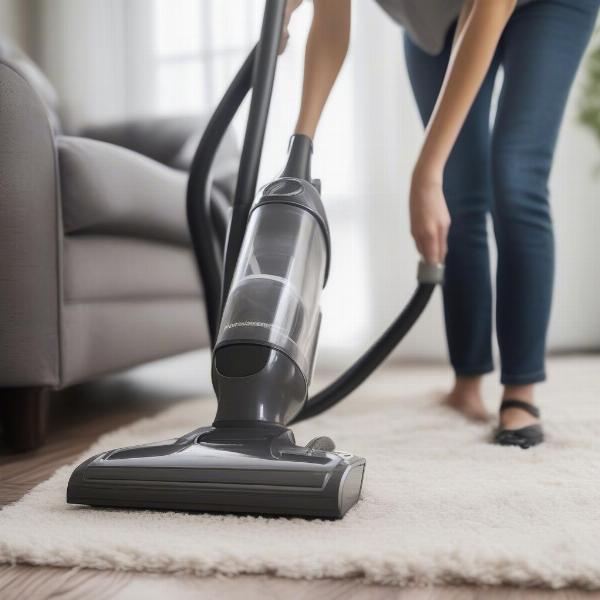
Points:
point(345, 384)
point(209, 255)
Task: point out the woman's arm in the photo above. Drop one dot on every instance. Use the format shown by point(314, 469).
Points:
point(479, 29)
point(326, 50)
point(480, 26)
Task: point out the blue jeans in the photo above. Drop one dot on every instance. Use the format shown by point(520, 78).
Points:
point(503, 170)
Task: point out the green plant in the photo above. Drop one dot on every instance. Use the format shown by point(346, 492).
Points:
point(589, 112)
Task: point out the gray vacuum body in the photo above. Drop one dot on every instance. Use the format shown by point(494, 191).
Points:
point(267, 340)
point(248, 461)
point(257, 470)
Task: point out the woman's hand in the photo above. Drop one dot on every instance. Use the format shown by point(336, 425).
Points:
point(290, 7)
point(429, 216)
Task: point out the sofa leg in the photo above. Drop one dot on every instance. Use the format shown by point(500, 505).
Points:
point(24, 417)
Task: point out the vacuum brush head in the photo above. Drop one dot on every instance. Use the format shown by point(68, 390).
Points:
point(251, 470)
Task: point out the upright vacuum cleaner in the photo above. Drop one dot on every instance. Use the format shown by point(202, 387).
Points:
point(263, 270)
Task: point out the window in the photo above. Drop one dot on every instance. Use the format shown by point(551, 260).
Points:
point(197, 48)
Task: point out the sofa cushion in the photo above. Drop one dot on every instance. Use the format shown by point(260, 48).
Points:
point(99, 338)
point(109, 190)
point(99, 268)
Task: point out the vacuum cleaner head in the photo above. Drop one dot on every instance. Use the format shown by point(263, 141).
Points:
point(252, 470)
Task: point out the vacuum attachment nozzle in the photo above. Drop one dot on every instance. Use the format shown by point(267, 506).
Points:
point(431, 273)
point(253, 470)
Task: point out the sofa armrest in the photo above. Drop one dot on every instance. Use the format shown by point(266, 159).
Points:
point(30, 222)
point(109, 190)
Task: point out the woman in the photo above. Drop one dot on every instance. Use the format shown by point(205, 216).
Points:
point(467, 170)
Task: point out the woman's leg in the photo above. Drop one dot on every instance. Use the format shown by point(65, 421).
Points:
point(468, 191)
point(540, 49)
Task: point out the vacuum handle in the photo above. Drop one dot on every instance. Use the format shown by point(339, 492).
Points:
point(262, 87)
point(216, 265)
point(209, 254)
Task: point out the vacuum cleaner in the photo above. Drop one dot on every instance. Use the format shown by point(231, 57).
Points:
point(263, 263)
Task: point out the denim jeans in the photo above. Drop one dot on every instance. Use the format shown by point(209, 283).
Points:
point(502, 170)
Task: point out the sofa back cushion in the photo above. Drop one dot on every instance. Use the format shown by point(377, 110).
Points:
point(108, 190)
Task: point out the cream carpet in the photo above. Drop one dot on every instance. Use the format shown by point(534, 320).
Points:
point(440, 504)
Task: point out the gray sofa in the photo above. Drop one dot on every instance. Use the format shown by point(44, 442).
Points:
point(96, 268)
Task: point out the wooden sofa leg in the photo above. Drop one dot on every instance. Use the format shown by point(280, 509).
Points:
point(24, 416)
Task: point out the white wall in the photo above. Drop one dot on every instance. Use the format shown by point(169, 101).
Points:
point(575, 190)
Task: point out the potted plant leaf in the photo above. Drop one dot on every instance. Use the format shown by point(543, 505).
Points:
point(589, 111)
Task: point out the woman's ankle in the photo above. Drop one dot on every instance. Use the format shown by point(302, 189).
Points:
point(514, 418)
point(465, 397)
point(524, 393)
point(470, 384)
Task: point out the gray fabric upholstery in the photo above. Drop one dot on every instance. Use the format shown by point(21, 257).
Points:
point(173, 142)
point(104, 337)
point(29, 232)
point(159, 138)
point(22, 64)
point(115, 268)
point(112, 191)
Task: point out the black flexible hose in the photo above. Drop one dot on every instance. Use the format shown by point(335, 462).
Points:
point(346, 383)
point(208, 253)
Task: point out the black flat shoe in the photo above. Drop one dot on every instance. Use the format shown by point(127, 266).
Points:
point(526, 437)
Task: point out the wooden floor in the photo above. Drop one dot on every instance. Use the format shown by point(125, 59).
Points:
point(79, 416)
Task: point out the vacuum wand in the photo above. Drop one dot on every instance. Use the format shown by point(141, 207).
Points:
point(262, 87)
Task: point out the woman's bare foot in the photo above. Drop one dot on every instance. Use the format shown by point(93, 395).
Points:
point(514, 418)
point(465, 398)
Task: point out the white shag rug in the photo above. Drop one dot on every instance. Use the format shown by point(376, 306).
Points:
point(440, 504)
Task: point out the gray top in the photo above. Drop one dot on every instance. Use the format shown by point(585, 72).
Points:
point(426, 21)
